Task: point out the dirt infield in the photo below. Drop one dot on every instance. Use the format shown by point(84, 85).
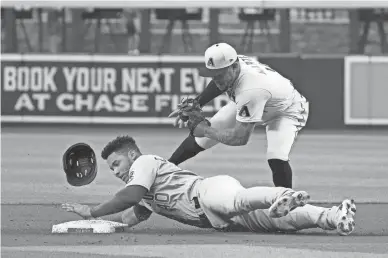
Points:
point(331, 166)
point(26, 228)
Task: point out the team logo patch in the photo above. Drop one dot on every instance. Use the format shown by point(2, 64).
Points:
point(244, 112)
point(210, 62)
point(130, 176)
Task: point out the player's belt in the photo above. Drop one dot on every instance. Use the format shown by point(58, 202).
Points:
point(202, 216)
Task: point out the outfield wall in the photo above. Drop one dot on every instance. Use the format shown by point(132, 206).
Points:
point(102, 89)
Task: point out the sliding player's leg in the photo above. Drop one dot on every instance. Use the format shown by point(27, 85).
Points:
point(339, 217)
point(223, 197)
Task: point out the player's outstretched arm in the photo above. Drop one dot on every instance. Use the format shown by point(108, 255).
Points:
point(208, 94)
point(237, 136)
point(250, 108)
point(117, 217)
point(131, 216)
point(135, 215)
point(124, 199)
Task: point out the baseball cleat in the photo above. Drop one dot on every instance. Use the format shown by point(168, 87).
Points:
point(287, 203)
point(345, 217)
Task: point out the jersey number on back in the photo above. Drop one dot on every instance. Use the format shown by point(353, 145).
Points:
point(260, 67)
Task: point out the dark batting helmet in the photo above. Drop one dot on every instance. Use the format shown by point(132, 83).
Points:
point(80, 164)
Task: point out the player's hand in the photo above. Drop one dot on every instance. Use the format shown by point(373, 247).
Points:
point(82, 210)
point(187, 105)
point(178, 121)
point(195, 118)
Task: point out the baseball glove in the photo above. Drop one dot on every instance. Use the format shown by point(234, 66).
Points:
point(80, 164)
point(190, 111)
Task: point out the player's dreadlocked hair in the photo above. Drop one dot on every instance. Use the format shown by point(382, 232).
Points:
point(121, 144)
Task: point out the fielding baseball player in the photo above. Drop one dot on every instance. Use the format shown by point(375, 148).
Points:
point(154, 184)
point(258, 96)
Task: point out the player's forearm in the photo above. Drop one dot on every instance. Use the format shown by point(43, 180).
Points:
point(110, 207)
point(209, 93)
point(128, 217)
point(132, 218)
point(130, 221)
point(123, 217)
point(124, 199)
point(117, 217)
point(227, 136)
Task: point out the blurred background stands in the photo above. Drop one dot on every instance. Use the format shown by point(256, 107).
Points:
point(190, 31)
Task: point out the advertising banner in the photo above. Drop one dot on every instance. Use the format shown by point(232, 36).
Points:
point(346, 4)
point(99, 89)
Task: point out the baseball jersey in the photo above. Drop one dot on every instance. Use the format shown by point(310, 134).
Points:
point(260, 93)
point(170, 188)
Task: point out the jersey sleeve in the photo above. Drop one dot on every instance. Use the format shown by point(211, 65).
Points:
point(143, 172)
point(250, 105)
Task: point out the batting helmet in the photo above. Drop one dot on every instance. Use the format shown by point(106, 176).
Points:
point(80, 164)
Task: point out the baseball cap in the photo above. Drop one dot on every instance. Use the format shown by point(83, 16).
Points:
point(218, 57)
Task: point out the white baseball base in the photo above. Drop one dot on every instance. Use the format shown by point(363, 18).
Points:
point(89, 226)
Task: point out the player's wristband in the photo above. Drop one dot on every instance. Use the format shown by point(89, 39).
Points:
point(209, 93)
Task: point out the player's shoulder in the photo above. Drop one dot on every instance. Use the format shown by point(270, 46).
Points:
point(147, 160)
point(150, 156)
point(249, 73)
point(252, 89)
point(250, 81)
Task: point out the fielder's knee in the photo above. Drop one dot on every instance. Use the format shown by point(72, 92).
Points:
point(277, 155)
point(205, 142)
